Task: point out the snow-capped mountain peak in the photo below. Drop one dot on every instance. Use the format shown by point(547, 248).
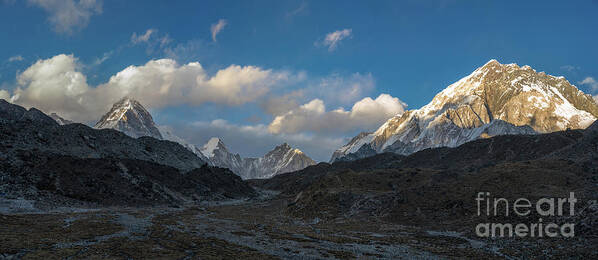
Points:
point(494, 99)
point(213, 144)
point(283, 158)
point(130, 117)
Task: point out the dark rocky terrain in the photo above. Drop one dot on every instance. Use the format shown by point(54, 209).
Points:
point(441, 183)
point(436, 188)
point(34, 131)
point(74, 165)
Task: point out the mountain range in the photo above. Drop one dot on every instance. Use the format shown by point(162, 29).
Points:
point(76, 165)
point(496, 99)
point(130, 117)
point(281, 159)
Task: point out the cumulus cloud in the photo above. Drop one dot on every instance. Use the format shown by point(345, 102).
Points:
point(216, 28)
point(68, 16)
point(334, 38)
point(367, 113)
point(591, 82)
point(255, 140)
point(15, 58)
point(54, 85)
point(57, 85)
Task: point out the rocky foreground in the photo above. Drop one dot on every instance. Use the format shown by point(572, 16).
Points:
point(252, 230)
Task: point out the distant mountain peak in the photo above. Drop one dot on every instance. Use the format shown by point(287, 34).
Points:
point(282, 159)
point(212, 145)
point(130, 117)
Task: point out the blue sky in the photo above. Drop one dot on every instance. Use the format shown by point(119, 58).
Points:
point(407, 49)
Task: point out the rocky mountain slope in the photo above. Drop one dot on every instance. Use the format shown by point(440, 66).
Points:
point(33, 130)
point(495, 99)
point(435, 187)
point(130, 117)
point(281, 159)
point(51, 163)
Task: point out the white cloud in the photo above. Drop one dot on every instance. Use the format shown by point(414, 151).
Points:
point(216, 28)
point(334, 38)
point(15, 58)
point(57, 85)
point(596, 98)
point(136, 39)
point(312, 116)
point(591, 82)
point(255, 140)
point(68, 16)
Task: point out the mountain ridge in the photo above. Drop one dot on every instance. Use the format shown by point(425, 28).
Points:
point(283, 158)
point(524, 100)
point(27, 129)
